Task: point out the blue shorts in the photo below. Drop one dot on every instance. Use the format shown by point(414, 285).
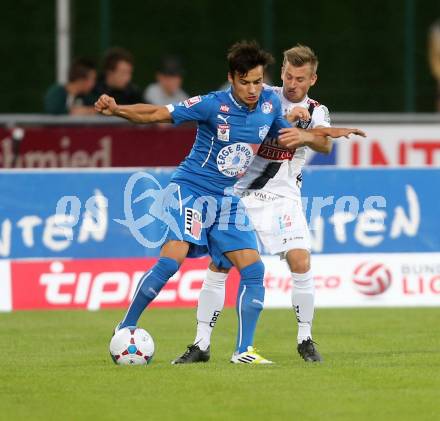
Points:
point(212, 224)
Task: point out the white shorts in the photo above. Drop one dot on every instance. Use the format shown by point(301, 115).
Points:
point(279, 222)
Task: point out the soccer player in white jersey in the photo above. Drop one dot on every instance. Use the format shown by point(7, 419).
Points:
point(270, 190)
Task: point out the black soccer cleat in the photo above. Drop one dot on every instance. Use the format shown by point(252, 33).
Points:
point(308, 352)
point(193, 354)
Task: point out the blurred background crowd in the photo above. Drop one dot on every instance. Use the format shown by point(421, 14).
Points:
point(84, 86)
point(376, 56)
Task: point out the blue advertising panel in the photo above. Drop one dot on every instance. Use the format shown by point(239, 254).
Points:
point(90, 222)
point(113, 213)
point(372, 210)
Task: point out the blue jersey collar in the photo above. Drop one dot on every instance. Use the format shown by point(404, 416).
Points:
point(240, 105)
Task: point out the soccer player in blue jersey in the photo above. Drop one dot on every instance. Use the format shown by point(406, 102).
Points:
point(271, 192)
point(231, 126)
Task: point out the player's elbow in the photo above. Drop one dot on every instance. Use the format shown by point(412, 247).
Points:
point(160, 115)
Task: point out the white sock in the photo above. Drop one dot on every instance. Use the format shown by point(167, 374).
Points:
point(210, 305)
point(303, 302)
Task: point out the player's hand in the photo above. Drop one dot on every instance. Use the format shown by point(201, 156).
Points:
point(298, 113)
point(106, 105)
point(343, 132)
point(292, 138)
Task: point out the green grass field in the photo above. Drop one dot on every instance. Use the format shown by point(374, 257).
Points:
point(380, 364)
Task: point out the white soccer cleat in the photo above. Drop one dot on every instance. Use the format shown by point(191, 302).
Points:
point(249, 357)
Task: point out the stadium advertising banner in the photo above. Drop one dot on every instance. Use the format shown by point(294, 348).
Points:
point(353, 280)
point(98, 283)
point(107, 146)
point(362, 280)
point(95, 146)
point(372, 211)
point(406, 145)
point(114, 214)
point(77, 214)
point(83, 239)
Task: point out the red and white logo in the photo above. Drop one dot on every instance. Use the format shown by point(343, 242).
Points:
point(102, 283)
point(371, 278)
point(224, 108)
point(193, 223)
point(192, 101)
point(285, 221)
point(223, 131)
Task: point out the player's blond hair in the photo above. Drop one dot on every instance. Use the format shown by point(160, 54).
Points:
point(300, 55)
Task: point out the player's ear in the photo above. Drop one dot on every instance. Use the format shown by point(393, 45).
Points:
point(230, 78)
point(314, 79)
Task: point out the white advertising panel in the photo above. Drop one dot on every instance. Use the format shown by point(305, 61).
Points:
point(407, 145)
point(362, 280)
point(5, 286)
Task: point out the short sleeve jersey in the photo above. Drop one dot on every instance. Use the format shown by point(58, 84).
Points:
point(228, 136)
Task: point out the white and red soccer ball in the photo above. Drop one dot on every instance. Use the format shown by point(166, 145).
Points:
point(132, 346)
point(372, 278)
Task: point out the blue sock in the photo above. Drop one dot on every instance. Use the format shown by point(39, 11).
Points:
point(148, 288)
point(250, 301)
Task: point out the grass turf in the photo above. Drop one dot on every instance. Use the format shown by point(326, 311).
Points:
point(379, 364)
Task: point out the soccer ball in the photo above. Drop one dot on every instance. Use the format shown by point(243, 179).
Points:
point(132, 346)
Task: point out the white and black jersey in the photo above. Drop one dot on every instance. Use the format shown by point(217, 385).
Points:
point(276, 169)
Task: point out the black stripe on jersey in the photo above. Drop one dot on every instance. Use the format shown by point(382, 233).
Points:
point(269, 172)
point(305, 124)
point(311, 109)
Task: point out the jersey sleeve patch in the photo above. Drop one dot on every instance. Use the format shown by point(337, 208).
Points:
point(192, 101)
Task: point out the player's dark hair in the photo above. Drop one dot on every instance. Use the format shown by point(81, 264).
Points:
point(113, 56)
point(80, 69)
point(246, 55)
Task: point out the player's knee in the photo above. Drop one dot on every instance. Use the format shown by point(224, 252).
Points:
point(300, 266)
point(299, 262)
point(253, 274)
point(176, 250)
point(214, 268)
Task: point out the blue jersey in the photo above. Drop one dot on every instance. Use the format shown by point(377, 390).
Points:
point(228, 136)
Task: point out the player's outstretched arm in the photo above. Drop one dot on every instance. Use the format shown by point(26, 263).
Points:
point(336, 132)
point(316, 139)
point(292, 138)
point(136, 113)
point(318, 142)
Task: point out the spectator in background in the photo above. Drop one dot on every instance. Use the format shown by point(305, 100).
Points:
point(168, 86)
point(434, 56)
point(71, 98)
point(116, 78)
